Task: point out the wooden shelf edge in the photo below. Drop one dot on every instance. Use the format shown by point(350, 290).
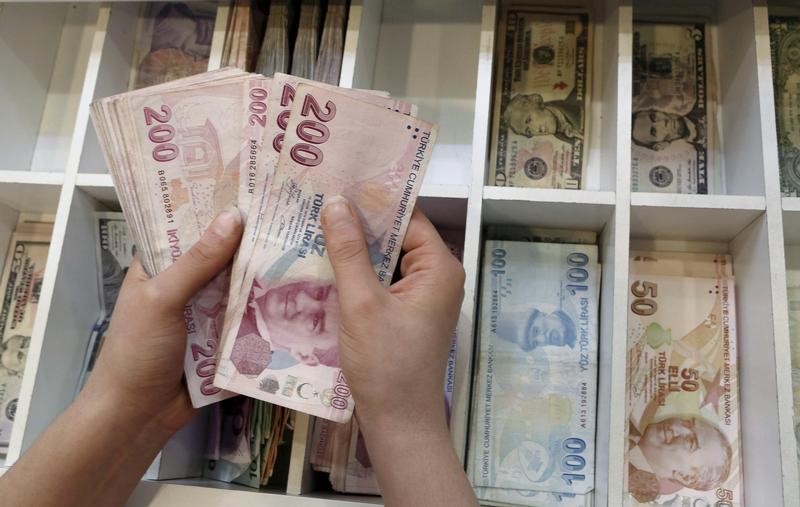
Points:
point(491, 193)
point(32, 177)
point(732, 202)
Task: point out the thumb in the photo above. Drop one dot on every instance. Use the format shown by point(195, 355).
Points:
point(347, 250)
point(194, 269)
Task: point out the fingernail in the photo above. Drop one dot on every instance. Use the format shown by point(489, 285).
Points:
point(336, 211)
point(226, 222)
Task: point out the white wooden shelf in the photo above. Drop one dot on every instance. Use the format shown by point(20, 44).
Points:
point(438, 54)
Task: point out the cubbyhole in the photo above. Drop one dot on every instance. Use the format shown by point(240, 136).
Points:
point(524, 158)
point(509, 219)
point(743, 235)
point(791, 228)
point(27, 209)
point(427, 53)
point(44, 49)
point(123, 55)
point(667, 126)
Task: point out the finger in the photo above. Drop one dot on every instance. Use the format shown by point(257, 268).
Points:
point(136, 273)
point(423, 245)
point(347, 250)
point(195, 268)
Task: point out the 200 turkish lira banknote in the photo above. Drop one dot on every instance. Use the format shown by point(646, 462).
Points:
point(281, 345)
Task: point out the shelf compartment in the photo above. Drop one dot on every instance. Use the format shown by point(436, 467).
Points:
point(544, 207)
point(692, 217)
point(117, 55)
point(732, 82)
point(747, 242)
point(601, 149)
point(425, 53)
point(48, 48)
point(584, 210)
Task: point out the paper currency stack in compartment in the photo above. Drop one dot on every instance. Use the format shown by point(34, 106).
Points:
point(693, 108)
point(26, 235)
point(552, 111)
point(543, 327)
point(695, 355)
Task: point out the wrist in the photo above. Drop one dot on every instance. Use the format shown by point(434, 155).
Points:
point(114, 411)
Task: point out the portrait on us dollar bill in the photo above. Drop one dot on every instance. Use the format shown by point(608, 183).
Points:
point(655, 130)
point(298, 321)
point(527, 114)
point(669, 455)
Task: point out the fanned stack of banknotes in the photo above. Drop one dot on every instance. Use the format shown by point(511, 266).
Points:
point(21, 284)
point(181, 152)
point(541, 114)
point(532, 431)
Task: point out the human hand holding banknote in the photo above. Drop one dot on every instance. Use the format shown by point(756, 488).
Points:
point(141, 361)
point(393, 344)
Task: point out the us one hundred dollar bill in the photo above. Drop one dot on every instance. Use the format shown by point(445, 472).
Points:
point(539, 122)
point(683, 396)
point(784, 40)
point(673, 113)
point(21, 285)
point(533, 422)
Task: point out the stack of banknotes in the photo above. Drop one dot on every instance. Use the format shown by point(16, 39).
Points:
point(115, 250)
point(683, 392)
point(21, 284)
point(181, 152)
point(245, 442)
point(301, 37)
point(542, 98)
point(784, 40)
point(674, 147)
point(532, 436)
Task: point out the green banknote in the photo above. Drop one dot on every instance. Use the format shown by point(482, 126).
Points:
point(541, 99)
point(784, 40)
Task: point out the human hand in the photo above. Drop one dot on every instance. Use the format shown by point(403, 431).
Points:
point(393, 343)
point(141, 363)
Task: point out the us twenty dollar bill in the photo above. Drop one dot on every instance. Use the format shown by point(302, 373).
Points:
point(784, 41)
point(541, 99)
point(683, 395)
point(533, 424)
point(672, 109)
point(281, 345)
point(21, 285)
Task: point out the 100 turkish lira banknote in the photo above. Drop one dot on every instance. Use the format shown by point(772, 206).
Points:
point(534, 407)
